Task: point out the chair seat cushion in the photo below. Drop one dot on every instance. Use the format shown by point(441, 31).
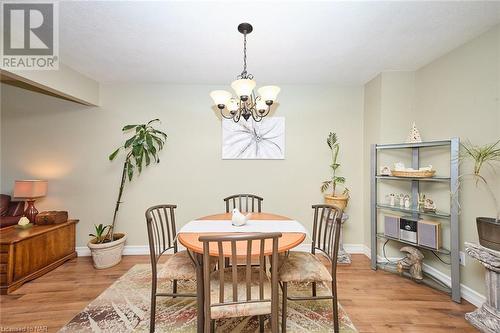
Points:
point(178, 267)
point(302, 267)
point(244, 309)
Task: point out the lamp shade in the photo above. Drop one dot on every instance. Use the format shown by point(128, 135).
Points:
point(220, 97)
point(269, 93)
point(30, 189)
point(232, 105)
point(243, 87)
point(261, 105)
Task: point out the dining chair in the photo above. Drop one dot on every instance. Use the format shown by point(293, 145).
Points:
point(239, 291)
point(304, 267)
point(244, 202)
point(160, 222)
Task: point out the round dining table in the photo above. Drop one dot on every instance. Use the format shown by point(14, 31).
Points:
point(190, 241)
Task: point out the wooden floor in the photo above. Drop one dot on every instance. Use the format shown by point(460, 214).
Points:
point(375, 301)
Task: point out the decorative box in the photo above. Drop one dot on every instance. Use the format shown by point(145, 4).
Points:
point(51, 217)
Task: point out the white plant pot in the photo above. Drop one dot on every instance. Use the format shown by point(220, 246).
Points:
point(106, 255)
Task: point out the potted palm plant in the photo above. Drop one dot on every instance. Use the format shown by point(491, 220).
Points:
point(488, 228)
point(339, 200)
point(140, 150)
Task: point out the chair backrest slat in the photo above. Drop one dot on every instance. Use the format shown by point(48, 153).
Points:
point(173, 235)
point(248, 269)
point(261, 271)
point(326, 229)
point(221, 272)
point(234, 266)
point(328, 225)
point(161, 231)
point(243, 202)
point(167, 226)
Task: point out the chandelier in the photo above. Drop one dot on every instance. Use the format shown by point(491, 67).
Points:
point(246, 104)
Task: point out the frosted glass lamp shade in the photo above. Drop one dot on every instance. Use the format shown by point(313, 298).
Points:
point(243, 87)
point(30, 189)
point(232, 105)
point(269, 93)
point(261, 105)
point(220, 97)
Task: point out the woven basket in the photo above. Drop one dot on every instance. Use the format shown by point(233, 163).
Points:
point(413, 174)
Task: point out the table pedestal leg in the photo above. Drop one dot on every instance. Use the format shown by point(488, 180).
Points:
point(343, 257)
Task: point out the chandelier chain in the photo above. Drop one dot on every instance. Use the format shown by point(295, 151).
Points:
point(245, 54)
point(244, 73)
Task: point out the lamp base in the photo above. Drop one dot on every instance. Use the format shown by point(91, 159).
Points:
point(31, 212)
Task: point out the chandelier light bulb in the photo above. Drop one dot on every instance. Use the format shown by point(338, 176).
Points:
point(243, 87)
point(221, 97)
point(233, 105)
point(261, 105)
point(269, 93)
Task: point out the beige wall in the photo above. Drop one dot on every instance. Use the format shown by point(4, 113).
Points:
point(68, 144)
point(456, 95)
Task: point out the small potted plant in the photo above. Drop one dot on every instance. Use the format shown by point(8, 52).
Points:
point(488, 228)
point(339, 200)
point(140, 150)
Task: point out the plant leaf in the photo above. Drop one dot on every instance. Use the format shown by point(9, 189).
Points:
point(331, 140)
point(146, 155)
point(325, 185)
point(149, 140)
point(130, 171)
point(113, 154)
point(128, 127)
point(160, 133)
point(129, 141)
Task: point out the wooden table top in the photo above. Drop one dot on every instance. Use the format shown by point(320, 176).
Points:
point(11, 234)
point(287, 241)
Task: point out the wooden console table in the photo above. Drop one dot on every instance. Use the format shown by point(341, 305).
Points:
point(30, 253)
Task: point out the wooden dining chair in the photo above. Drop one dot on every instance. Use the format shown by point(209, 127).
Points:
point(160, 222)
point(249, 203)
point(239, 291)
point(304, 267)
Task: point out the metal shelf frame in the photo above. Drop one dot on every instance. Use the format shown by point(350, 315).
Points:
point(436, 214)
point(453, 145)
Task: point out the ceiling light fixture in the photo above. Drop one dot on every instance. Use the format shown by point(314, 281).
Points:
point(246, 104)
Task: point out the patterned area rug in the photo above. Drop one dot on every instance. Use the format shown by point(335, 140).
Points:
point(124, 307)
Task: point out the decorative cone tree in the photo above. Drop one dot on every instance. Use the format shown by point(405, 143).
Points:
point(414, 135)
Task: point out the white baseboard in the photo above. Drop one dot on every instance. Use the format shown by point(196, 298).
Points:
point(467, 293)
point(128, 250)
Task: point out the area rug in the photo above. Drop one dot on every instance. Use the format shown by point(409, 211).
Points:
point(124, 307)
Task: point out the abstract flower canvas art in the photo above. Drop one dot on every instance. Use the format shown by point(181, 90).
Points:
point(264, 140)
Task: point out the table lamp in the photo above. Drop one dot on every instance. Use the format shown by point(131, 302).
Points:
point(29, 190)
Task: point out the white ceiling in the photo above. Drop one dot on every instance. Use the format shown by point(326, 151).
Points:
point(292, 42)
